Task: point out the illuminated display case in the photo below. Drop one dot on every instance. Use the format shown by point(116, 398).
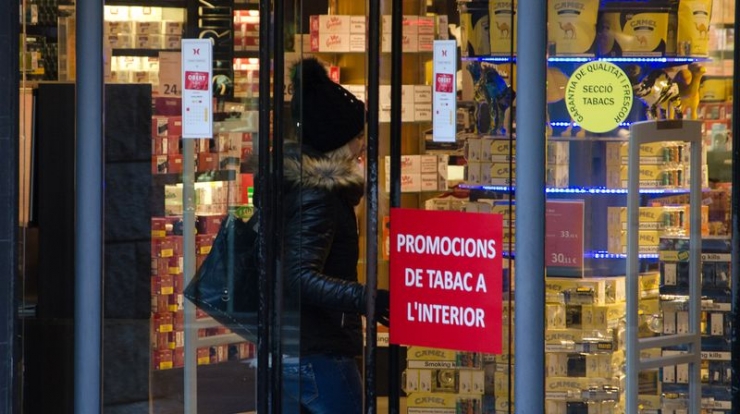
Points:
point(672, 51)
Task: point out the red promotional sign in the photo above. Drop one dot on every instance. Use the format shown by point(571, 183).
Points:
point(444, 83)
point(564, 237)
point(446, 279)
point(197, 81)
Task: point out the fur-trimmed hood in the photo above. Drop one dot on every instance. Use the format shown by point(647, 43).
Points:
point(306, 168)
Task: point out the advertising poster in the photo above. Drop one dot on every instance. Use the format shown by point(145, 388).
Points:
point(446, 279)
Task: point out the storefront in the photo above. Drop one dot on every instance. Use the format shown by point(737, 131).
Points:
point(580, 154)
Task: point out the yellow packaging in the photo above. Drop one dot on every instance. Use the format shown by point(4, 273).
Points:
point(423, 357)
point(443, 403)
point(650, 218)
point(618, 153)
point(649, 176)
point(602, 317)
point(713, 89)
point(604, 290)
point(572, 26)
point(649, 285)
point(501, 173)
point(693, 27)
point(502, 16)
point(643, 31)
point(561, 384)
point(474, 23)
point(648, 241)
point(501, 150)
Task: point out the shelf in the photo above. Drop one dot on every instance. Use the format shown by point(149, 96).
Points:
point(141, 52)
point(203, 176)
point(575, 190)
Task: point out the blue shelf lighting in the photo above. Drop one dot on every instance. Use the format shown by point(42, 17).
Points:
point(584, 59)
point(606, 255)
point(577, 190)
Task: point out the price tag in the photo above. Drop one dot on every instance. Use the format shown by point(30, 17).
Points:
point(170, 77)
point(564, 228)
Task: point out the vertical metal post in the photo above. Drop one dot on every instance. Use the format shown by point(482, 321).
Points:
point(371, 194)
point(262, 207)
point(89, 209)
point(394, 386)
point(276, 198)
point(10, 378)
point(190, 369)
point(530, 202)
point(633, 263)
point(735, 211)
point(695, 274)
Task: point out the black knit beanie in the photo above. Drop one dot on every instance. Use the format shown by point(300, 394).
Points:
point(327, 116)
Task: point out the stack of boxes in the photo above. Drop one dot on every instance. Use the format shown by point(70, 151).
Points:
point(246, 30)
point(347, 33)
point(491, 161)
point(420, 173)
point(418, 32)
point(416, 103)
point(583, 354)
point(662, 165)
point(141, 28)
point(444, 381)
point(715, 325)
point(654, 222)
point(212, 201)
point(167, 286)
point(337, 33)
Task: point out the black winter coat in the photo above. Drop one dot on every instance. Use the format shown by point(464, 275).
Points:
point(322, 249)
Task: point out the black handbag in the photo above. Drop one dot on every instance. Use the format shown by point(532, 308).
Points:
point(226, 286)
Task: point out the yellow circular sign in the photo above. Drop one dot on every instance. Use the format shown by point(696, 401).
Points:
point(598, 96)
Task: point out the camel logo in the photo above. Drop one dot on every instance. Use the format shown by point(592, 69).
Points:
point(503, 29)
point(641, 39)
point(569, 30)
point(702, 29)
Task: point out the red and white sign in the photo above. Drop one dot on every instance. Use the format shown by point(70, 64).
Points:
point(446, 279)
point(197, 95)
point(444, 98)
point(564, 244)
point(197, 81)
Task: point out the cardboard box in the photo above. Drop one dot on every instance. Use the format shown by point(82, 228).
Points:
point(146, 28)
point(120, 41)
point(162, 359)
point(328, 24)
point(172, 28)
point(358, 25)
point(118, 27)
point(149, 41)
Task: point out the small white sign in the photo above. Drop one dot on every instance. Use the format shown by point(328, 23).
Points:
point(170, 73)
point(197, 94)
point(444, 90)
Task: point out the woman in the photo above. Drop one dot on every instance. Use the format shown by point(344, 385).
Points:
point(323, 185)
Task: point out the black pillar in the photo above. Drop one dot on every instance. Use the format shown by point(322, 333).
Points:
point(9, 357)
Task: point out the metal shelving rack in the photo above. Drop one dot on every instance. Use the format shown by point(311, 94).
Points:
point(643, 133)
